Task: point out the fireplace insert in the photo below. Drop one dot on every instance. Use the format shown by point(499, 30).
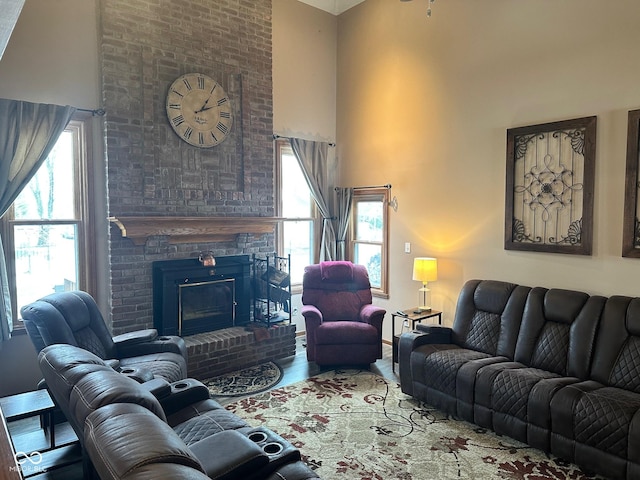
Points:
point(190, 298)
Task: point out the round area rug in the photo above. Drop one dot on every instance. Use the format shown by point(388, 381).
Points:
point(246, 381)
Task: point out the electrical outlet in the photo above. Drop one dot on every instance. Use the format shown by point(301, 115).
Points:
point(407, 247)
point(405, 324)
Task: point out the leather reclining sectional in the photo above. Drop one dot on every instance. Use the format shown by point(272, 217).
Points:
point(557, 369)
point(156, 429)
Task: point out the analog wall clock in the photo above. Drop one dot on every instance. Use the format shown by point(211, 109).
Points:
point(199, 110)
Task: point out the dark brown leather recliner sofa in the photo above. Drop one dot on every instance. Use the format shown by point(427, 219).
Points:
point(156, 429)
point(557, 369)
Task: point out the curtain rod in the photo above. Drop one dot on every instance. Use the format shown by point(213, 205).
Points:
point(100, 112)
point(387, 186)
point(276, 136)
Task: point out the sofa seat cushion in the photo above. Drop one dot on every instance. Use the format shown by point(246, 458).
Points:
point(202, 419)
point(346, 333)
point(170, 366)
point(441, 365)
point(512, 387)
point(604, 418)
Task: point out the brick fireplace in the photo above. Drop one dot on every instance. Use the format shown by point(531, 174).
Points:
point(156, 178)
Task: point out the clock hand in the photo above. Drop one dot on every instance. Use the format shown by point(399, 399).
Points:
point(204, 106)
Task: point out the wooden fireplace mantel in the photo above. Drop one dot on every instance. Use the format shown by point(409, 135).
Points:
point(192, 229)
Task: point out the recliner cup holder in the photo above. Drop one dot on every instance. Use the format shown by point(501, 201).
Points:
point(258, 437)
point(272, 448)
point(127, 371)
point(180, 385)
point(163, 339)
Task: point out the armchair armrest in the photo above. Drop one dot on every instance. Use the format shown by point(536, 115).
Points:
point(131, 344)
point(372, 315)
point(311, 315)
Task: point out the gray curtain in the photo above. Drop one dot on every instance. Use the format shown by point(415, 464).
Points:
point(28, 132)
point(343, 211)
point(320, 173)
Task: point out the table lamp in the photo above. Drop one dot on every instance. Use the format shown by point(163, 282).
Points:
point(425, 270)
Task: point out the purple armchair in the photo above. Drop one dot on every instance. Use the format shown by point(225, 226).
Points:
point(342, 325)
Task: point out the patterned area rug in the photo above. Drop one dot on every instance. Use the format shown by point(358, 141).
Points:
point(355, 425)
point(246, 381)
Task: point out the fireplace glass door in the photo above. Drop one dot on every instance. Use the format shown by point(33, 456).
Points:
point(206, 306)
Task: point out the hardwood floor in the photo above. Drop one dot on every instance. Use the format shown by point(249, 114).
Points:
point(295, 369)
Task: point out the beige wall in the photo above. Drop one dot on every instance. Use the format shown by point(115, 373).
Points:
point(424, 104)
point(304, 71)
point(52, 57)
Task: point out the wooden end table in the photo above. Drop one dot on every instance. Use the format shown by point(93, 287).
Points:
point(412, 316)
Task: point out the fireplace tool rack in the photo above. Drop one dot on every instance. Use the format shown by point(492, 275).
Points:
point(271, 289)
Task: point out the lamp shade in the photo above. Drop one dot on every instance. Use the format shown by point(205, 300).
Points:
point(425, 269)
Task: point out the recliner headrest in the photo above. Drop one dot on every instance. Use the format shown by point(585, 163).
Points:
point(337, 271)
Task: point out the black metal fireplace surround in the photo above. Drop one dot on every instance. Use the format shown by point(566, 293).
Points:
point(190, 298)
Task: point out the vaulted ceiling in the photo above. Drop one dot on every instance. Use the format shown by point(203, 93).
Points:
point(333, 6)
point(10, 12)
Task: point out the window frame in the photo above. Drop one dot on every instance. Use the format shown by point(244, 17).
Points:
point(80, 126)
point(283, 147)
point(369, 194)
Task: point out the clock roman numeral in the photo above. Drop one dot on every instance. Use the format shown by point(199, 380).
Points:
point(200, 138)
point(222, 127)
point(186, 83)
point(177, 92)
point(222, 101)
point(214, 87)
point(225, 114)
point(178, 120)
point(188, 132)
point(215, 139)
point(201, 83)
point(174, 105)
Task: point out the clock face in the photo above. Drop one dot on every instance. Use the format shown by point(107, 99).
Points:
point(199, 110)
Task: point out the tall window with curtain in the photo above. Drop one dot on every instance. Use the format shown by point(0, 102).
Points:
point(369, 235)
point(297, 234)
point(47, 227)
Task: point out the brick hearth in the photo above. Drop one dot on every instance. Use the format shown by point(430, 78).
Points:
point(229, 349)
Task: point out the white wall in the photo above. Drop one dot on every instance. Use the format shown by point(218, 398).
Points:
point(424, 104)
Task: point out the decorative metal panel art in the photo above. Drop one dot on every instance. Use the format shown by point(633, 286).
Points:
point(631, 225)
point(550, 179)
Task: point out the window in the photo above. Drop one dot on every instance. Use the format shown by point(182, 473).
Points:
point(297, 233)
point(369, 234)
point(47, 227)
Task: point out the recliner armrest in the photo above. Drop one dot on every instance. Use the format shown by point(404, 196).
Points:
point(409, 341)
point(184, 392)
point(236, 456)
point(159, 344)
point(158, 387)
point(372, 315)
point(137, 336)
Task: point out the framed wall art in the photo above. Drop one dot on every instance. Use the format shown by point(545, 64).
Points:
point(631, 225)
point(549, 187)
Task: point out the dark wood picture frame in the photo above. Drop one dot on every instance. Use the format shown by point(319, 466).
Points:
point(550, 186)
point(631, 224)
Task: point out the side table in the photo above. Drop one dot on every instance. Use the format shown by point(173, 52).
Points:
point(30, 404)
point(408, 315)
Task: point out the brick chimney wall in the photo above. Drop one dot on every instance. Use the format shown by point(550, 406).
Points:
point(145, 46)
